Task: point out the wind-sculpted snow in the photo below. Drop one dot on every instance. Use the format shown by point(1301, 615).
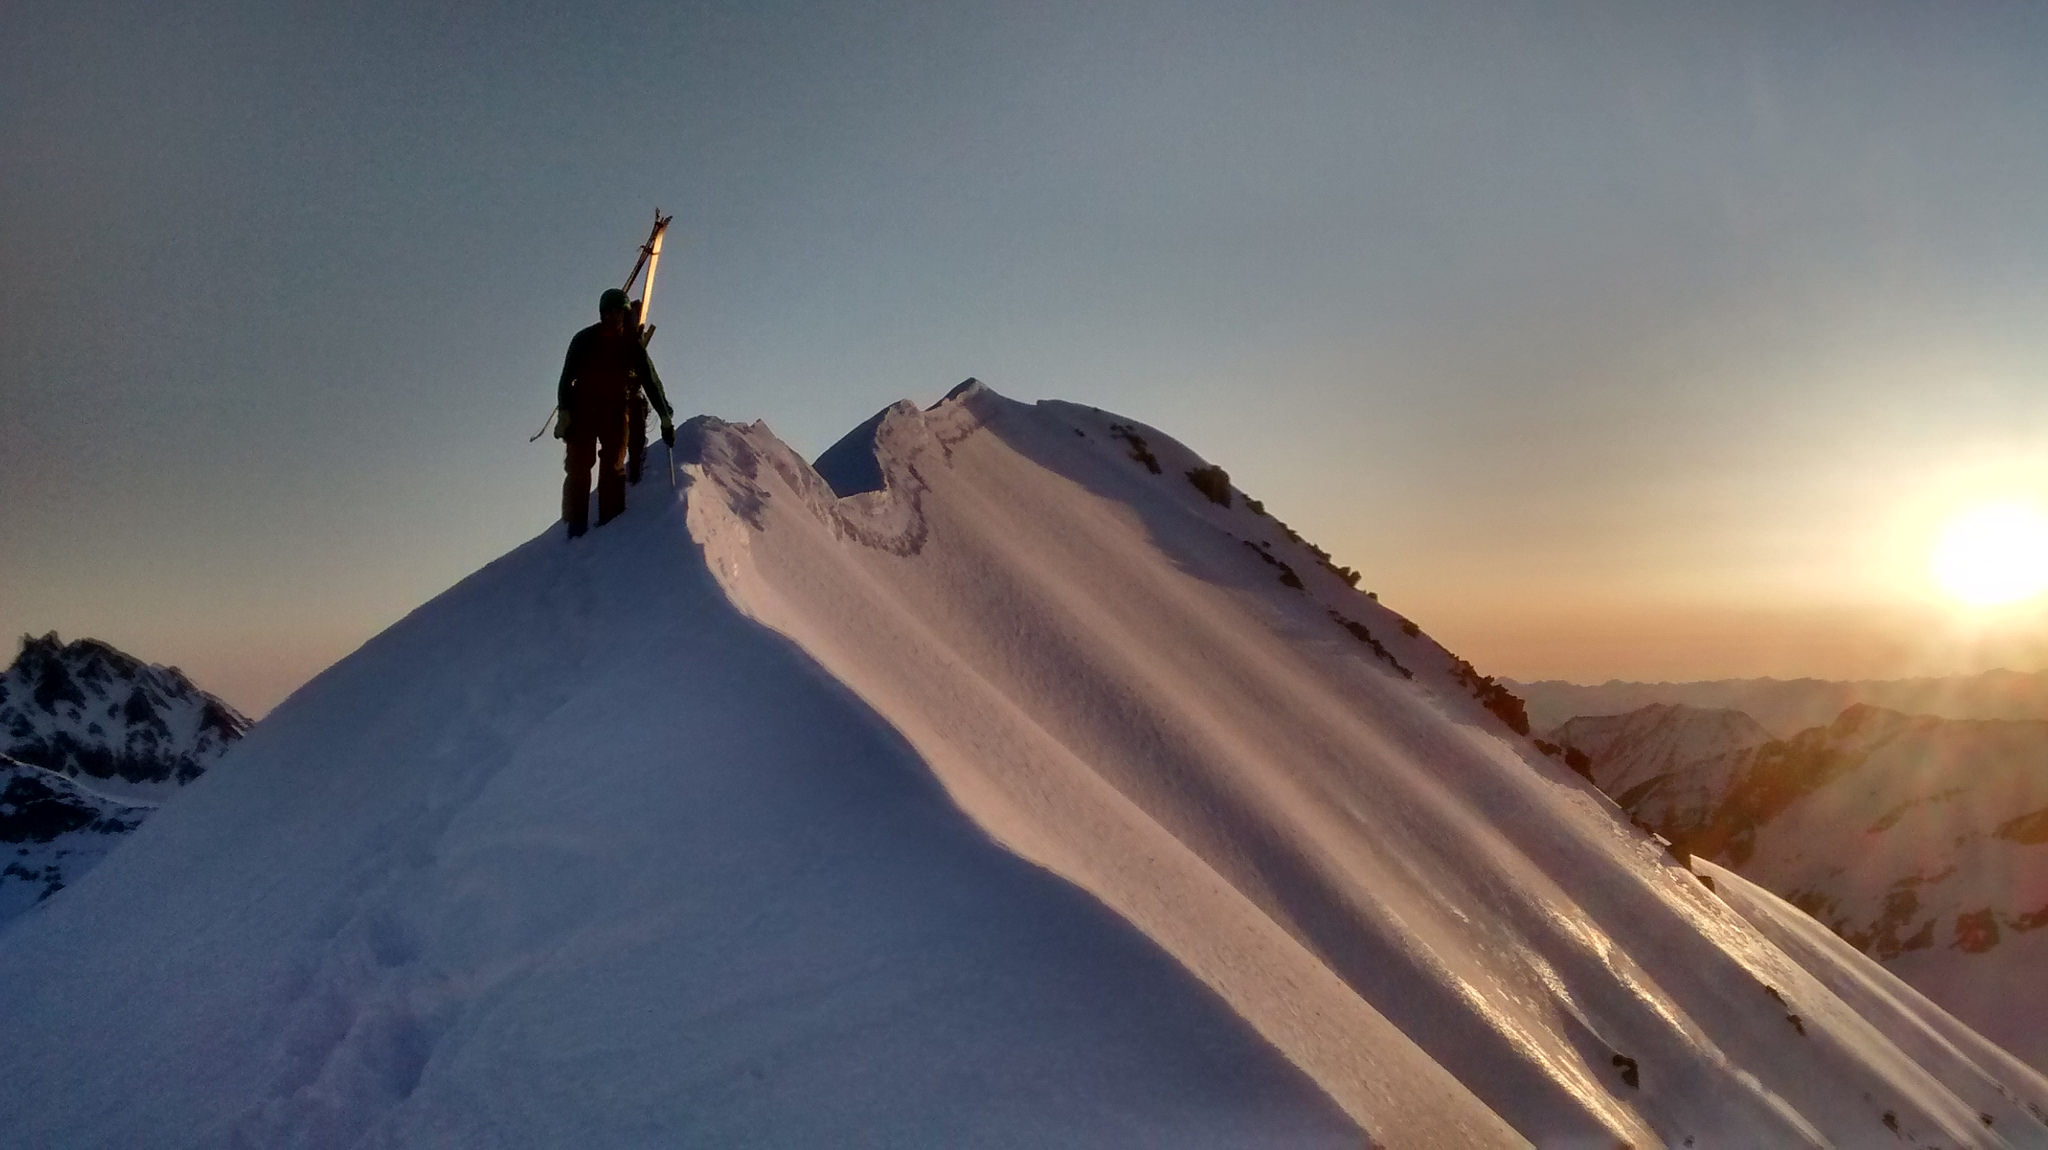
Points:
point(1014, 790)
point(1174, 702)
point(577, 855)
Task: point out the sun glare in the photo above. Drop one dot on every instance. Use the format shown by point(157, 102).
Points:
point(1994, 554)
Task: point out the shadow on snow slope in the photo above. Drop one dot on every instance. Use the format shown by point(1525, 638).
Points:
point(577, 854)
point(1085, 648)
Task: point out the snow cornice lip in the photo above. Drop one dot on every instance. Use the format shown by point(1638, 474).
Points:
point(853, 465)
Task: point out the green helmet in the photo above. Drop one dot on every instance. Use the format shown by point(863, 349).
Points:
point(612, 300)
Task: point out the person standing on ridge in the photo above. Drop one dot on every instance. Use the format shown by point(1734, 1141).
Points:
point(606, 370)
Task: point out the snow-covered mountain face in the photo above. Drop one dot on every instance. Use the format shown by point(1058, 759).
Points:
point(130, 728)
point(91, 740)
point(1669, 766)
point(1788, 706)
point(1922, 841)
point(1008, 779)
point(52, 830)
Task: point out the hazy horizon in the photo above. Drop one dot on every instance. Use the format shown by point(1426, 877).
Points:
point(1642, 342)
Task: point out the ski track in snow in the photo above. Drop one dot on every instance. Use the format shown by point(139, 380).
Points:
point(1014, 801)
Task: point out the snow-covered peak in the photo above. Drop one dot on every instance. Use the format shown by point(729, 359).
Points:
point(52, 831)
point(1662, 739)
point(1054, 603)
point(91, 739)
point(1037, 789)
point(92, 712)
point(893, 451)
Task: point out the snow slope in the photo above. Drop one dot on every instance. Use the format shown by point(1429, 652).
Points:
point(1922, 841)
point(1906, 1018)
point(719, 827)
point(1116, 675)
point(578, 855)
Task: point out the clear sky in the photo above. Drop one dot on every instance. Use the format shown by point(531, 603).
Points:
point(1630, 339)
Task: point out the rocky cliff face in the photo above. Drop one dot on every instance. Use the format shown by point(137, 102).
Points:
point(51, 831)
point(91, 741)
point(89, 711)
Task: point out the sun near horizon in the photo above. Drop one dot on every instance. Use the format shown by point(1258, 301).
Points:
point(1993, 554)
point(1650, 343)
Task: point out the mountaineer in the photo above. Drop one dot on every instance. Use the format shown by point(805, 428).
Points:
point(603, 377)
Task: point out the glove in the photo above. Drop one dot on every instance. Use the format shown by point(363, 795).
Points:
point(562, 424)
point(668, 432)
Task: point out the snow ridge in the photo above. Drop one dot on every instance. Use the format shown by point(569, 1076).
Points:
point(1129, 674)
point(1042, 791)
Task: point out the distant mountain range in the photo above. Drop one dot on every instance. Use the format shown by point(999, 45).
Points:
point(1789, 706)
point(1922, 841)
point(91, 740)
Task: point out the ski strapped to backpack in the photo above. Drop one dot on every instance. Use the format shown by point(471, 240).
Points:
point(650, 255)
point(649, 259)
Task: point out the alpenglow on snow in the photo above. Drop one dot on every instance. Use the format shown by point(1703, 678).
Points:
point(1007, 779)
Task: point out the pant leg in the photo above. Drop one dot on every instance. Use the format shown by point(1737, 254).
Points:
point(636, 439)
point(582, 452)
point(611, 467)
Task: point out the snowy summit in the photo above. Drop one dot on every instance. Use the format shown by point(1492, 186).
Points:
point(1006, 779)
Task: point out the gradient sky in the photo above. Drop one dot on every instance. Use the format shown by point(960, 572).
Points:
point(1636, 340)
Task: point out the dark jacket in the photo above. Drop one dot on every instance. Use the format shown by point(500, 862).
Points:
point(602, 371)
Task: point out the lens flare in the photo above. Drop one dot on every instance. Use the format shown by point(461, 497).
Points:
point(1994, 554)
